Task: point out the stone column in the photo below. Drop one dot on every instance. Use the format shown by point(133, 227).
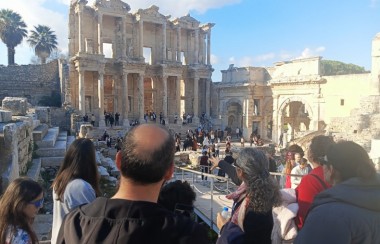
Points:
point(164, 41)
point(208, 97)
point(196, 53)
point(141, 28)
point(178, 99)
point(195, 102)
point(208, 47)
point(124, 37)
point(82, 102)
point(140, 90)
point(165, 97)
point(101, 99)
point(179, 44)
point(125, 99)
point(100, 27)
point(80, 36)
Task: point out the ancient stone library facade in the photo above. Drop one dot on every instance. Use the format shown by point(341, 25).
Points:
point(136, 63)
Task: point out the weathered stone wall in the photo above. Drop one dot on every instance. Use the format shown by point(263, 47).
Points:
point(60, 117)
point(30, 81)
point(16, 148)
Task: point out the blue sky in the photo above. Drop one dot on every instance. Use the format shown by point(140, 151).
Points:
point(247, 32)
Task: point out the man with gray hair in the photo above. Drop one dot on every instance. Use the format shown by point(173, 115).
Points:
point(132, 215)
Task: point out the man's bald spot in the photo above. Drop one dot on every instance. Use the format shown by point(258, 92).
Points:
point(148, 138)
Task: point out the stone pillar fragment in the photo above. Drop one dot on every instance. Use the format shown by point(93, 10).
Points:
point(209, 47)
point(82, 102)
point(179, 44)
point(125, 99)
point(101, 99)
point(195, 100)
point(100, 27)
point(165, 96)
point(164, 41)
point(140, 90)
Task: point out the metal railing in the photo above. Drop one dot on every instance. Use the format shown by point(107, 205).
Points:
point(189, 175)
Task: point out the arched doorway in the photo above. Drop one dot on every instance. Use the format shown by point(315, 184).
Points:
point(149, 96)
point(234, 112)
point(295, 118)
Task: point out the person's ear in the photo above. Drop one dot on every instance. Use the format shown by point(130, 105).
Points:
point(169, 173)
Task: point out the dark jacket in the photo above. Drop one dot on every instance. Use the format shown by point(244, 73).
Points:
point(230, 171)
point(257, 229)
point(346, 213)
point(123, 221)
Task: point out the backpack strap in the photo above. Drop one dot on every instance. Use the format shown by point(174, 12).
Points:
point(321, 181)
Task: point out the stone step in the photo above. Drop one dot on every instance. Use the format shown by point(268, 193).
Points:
point(39, 132)
point(58, 150)
point(34, 171)
point(51, 161)
point(62, 136)
point(70, 139)
point(49, 139)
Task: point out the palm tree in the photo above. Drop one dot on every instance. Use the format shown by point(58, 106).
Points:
point(12, 31)
point(43, 40)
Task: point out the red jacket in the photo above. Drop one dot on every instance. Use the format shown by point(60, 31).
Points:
point(309, 187)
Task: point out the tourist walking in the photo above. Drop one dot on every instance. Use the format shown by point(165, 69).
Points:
point(93, 119)
point(117, 118)
point(19, 206)
point(76, 183)
point(132, 215)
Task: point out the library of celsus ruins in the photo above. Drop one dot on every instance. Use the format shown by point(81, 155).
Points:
point(137, 63)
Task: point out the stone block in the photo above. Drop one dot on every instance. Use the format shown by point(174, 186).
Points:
point(5, 116)
point(43, 114)
point(17, 105)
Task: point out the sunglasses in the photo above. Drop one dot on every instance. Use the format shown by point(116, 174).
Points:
point(38, 203)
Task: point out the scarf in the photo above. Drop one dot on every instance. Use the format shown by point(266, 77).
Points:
point(239, 213)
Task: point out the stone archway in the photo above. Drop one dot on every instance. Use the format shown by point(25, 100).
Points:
point(234, 113)
point(295, 117)
point(149, 95)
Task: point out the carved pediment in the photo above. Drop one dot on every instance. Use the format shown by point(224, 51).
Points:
point(187, 21)
point(112, 5)
point(152, 14)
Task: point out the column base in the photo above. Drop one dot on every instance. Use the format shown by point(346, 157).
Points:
point(126, 122)
point(102, 123)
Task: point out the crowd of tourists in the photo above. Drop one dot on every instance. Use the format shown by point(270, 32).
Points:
point(337, 201)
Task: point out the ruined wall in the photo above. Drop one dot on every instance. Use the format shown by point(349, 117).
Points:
point(30, 81)
point(16, 147)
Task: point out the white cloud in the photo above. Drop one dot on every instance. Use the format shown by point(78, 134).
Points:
point(231, 59)
point(245, 61)
point(214, 59)
point(308, 52)
point(173, 8)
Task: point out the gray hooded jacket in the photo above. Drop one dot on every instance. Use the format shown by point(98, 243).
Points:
point(346, 213)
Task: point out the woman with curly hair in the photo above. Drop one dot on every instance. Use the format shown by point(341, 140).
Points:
point(251, 219)
point(19, 206)
point(76, 183)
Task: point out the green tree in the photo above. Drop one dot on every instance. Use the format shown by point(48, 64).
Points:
point(331, 67)
point(12, 31)
point(43, 40)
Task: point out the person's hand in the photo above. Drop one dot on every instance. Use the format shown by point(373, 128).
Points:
point(220, 221)
point(214, 162)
